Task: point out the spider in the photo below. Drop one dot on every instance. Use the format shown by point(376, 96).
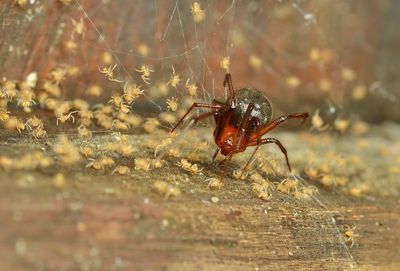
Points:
point(63, 118)
point(241, 121)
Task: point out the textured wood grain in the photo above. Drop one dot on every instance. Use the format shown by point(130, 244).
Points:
point(140, 233)
point(99, 221)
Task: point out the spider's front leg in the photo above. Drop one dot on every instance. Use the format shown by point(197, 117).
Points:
point(254, 122)
point(215, 107)
point(231, 98)
point(244, 129)
point(228, 81)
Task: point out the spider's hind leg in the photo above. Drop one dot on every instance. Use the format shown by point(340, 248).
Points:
point(275, 141)
point(273, 124)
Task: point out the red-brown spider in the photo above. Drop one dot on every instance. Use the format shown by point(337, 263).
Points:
point(242, 120)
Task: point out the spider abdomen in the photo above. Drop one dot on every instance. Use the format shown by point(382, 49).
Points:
point(262, 105)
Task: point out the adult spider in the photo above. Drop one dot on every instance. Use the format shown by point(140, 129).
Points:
point(242, 120)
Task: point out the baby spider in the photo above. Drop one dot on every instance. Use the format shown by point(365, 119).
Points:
point(101, 163)
point(63, 118)
point(4, 114)
point(14, 123)
point(84, 132)
point(87, 151)
point(191, 88)
point(109, 73)
point(318, 123)
point(165, 189)
point(186, 165)
point(175, 79)
point(145, 73)
point(197, 13)
point(39, 132)
point(34, 122)
point(120, 125)
point(9, 90)
point(349, 234)
point(172, 104)
point(121, 170)
point(241, 121)
point(131, 92)
point(215, 183)
point(79, 28)
point(116, 100)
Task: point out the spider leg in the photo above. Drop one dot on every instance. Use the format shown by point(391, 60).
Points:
point(279, 121)
point(200, 105)
point(228, 81)
point(271, 140)
point(216, 153)
point(244, 128)
point(203, 116)
point(227, 158)
point(71, 116)
point(200, 117)
point(256, 122)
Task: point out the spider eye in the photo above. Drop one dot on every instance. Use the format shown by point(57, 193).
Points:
point(233, 102)
point(228, 142)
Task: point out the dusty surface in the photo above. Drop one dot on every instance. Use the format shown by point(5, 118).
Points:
point(99, 221)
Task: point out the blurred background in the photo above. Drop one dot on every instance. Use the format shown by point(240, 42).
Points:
point(337, 57)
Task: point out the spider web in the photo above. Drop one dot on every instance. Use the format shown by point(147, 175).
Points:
point(197, 51)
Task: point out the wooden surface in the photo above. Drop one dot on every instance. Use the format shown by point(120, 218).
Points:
point(99, 221)
point(137, 232)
